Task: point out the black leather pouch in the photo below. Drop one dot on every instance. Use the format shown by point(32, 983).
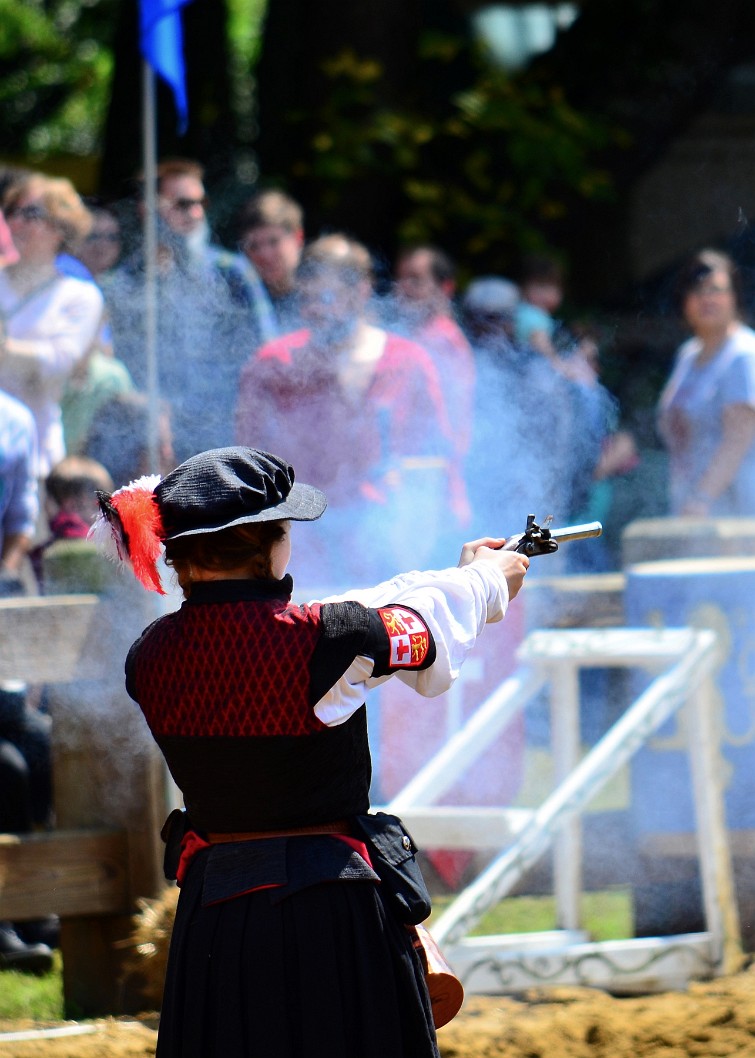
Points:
point(393, 855)
point(174, 828)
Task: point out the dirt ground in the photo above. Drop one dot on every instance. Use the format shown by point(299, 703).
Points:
point(711, 1020)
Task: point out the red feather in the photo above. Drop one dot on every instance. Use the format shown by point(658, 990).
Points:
point(139, 515)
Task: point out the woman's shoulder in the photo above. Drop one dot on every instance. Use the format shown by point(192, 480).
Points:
point(688, 349)
point(15, 417)
point(743, 340)
point(75, 288)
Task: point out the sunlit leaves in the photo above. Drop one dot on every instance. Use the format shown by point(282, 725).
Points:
point(496, 163)
point(55, 75)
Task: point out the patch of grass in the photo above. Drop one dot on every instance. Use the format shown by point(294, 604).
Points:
point(27, 996)
point(606, 915)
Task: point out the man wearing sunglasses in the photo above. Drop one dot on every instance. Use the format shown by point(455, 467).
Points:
point(182, 202)
point(212, 312)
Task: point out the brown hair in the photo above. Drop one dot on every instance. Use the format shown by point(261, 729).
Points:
point(61, 202)
point(173, 167)
point(340, 254)
point(541, 268)
point(77, 476)
point(696, 270)
point(442, 267)
point(246, 547)
point(271, 208)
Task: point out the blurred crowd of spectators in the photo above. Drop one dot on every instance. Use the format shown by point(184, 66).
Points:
point(439, 413)
point(428, 414)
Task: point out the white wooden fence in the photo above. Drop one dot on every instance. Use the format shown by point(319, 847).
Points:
point(681, 661)
point(69, 639)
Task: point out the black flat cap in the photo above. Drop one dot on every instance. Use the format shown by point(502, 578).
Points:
point(232, 486)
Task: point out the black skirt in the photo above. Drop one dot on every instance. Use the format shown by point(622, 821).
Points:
point(326, 972)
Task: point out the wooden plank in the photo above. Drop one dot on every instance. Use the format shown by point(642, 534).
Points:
point(107, 776)
point(63, 873)
point(656, 539)
point(96, 981)
point(61, 638)
point(108, 773)
point(47, 639)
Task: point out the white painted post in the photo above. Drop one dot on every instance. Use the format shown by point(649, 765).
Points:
point(567, 855)
point(706, 763)
point(666, 694)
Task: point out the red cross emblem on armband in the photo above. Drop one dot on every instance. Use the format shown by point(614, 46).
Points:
point(408, 636)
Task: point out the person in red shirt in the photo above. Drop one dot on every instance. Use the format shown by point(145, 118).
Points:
point(359, 409)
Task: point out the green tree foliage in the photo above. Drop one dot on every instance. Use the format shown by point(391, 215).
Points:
point(55, 69)
point(57, 64)
point(487, 170)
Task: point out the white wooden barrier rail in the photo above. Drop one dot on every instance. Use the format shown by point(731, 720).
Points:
point(682, 660)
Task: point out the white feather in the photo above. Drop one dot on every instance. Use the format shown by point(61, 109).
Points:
point(104, 536)
point(148, 482)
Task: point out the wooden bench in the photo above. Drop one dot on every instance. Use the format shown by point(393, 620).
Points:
point(109, 791)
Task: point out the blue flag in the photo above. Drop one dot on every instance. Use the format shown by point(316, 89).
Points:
point(161, 43)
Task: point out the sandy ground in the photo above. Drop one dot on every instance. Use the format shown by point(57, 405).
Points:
point(711, 1020)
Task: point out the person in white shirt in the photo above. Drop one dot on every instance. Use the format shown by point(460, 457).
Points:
point(706, 414)
point(49, 320)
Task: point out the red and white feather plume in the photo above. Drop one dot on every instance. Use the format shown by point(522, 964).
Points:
point(129, 529)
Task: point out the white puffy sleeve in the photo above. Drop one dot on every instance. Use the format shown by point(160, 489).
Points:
point(455, 604)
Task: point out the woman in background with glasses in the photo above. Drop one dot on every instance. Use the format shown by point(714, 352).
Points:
point(707, 409)
point(50, 320)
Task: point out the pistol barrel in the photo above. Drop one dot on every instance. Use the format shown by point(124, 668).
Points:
point(577, 532)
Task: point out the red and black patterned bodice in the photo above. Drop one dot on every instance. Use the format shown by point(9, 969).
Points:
point(228, 686)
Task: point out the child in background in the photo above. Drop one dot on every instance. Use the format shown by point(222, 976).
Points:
point(541, 283)
point(67, 562)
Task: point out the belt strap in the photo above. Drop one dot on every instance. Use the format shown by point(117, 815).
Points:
point(340, 826)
